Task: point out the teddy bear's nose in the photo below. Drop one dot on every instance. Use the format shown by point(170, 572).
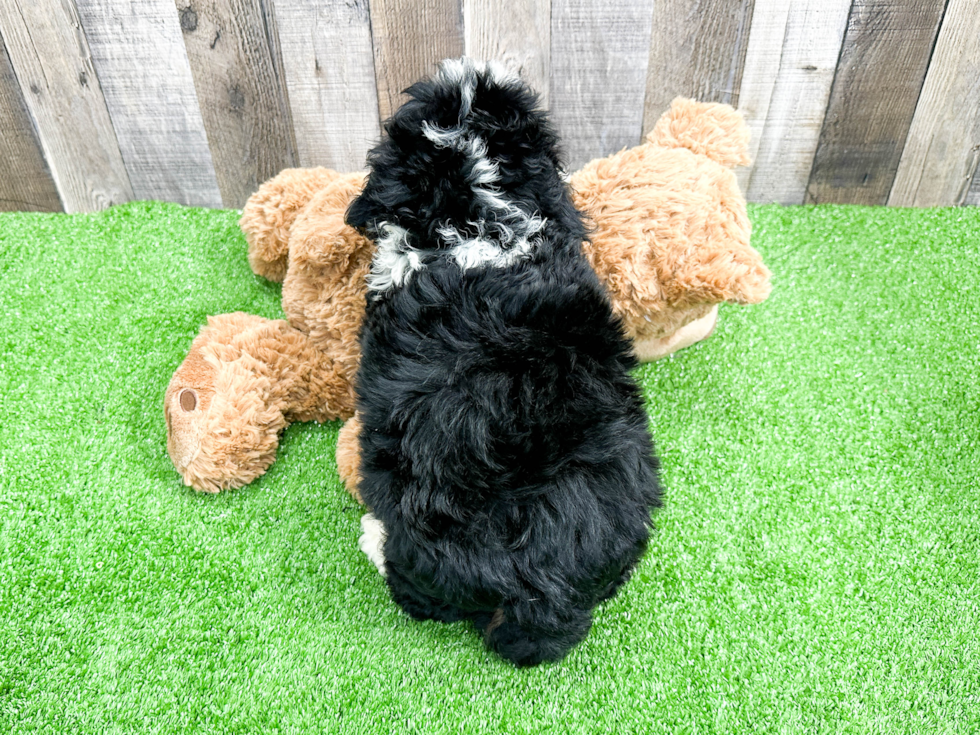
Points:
point(188, 400)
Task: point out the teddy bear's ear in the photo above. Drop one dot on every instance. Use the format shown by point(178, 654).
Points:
point(709, 129)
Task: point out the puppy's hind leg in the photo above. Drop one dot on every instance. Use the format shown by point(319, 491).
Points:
point(530, 639)
point(417, 603)
point(414, 602)
point(372, 541)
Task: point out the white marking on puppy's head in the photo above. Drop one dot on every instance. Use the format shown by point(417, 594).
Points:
point(465, 73)
point(505, 232)
point(444, 137)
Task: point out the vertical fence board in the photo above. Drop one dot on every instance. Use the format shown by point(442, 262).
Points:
point(762, 58)
point(52, 62)
point(973, 195)
point(142, 67)
point(517, 33)
point(801, 80)
point(599, 56)
point(25, 181)
point(233, 54)
point(943, 146)
point(882, 67)
point(410, 38)
point(329, 66)
point(697, 50)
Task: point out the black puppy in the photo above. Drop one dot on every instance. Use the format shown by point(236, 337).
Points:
point(504, 448)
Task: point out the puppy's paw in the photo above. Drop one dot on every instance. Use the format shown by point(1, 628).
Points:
point(372, 541)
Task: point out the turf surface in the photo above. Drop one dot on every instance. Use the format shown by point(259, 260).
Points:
point(815, 568)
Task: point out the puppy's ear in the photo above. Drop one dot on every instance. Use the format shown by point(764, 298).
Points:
point(363, 211)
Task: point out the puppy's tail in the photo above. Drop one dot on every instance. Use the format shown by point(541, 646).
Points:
point(526, 643)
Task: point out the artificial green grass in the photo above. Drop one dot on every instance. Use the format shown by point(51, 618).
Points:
point(816, 567)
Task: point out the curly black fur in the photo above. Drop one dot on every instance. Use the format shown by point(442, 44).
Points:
point(504, 446)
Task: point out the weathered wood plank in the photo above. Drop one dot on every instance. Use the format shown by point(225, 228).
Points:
point(329, 66)
point(879, 76)
point(762, 59)
point(790, 82)
point(973, 195)
point(410, 38)
point(517, 33)
point(25, 181)
point(599, 56)
point(697, 50)
point(52, 62)
point(234, 57)
point(940, 156)
point(139, 56)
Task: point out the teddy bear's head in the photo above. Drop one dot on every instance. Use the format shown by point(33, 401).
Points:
point(669, 228)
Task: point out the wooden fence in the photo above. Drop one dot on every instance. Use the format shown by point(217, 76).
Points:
point(199, 101)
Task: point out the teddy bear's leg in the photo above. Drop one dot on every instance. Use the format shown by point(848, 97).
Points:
point(188, 400)
point(222, 422)
point(348, 456)
point(648, 350)
point(245, 379)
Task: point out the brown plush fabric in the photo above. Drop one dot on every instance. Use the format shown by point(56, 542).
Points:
point(670, 233)
point(269, 215)
point(711, 130)
point(245, 379)
point(324, 290)
point(670, 240)
point(349, 457)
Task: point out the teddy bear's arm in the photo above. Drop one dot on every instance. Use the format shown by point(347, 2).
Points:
point(269, 214)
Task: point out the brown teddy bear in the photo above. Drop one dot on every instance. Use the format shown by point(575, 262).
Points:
point(669, 238)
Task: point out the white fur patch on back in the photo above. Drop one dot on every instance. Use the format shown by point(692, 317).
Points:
point(514, 227)
point(394, 260)
point(479, 251)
